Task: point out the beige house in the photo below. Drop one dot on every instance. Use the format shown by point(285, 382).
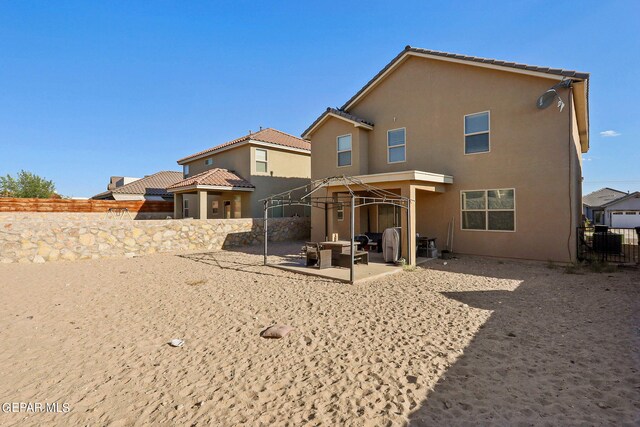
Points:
point(229, 180)
point(465, 139)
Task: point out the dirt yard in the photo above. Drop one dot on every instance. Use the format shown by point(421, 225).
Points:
point(474, 341)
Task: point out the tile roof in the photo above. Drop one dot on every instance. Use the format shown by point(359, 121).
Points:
point(153, 185)
point(270, 135)
point(635, 194)
point(601, 197)
point(340, 113)
point(489, 61)
point(216, 177)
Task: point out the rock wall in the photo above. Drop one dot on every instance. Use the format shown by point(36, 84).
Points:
point(44, 241)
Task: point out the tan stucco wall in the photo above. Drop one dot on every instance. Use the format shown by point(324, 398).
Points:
point(325, 154)
point(285, 170)
point(531, 150)
point(236, 159)
point(290, 170)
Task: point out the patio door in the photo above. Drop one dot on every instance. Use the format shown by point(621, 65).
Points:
point(227, 209)
point(388, 217)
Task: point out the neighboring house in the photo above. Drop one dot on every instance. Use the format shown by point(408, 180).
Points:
point(592, 203)
point(229, 180)
point(463, 138)
point(151, 187)
point(623, 212)
point(119, 181)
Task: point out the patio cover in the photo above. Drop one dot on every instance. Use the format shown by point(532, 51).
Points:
point(309, 195)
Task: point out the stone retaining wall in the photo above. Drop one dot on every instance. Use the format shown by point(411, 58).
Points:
point(44, 241)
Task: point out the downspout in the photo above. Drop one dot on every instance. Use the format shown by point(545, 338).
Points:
point(571, 147)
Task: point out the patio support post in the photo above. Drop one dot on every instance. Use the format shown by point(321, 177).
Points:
point(177, 206)
point(353, 229)
point(409, 252)
point(326, 222)
point(266, 215)
point(202, 204)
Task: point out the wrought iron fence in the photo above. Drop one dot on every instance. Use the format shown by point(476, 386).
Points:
point(615, 245)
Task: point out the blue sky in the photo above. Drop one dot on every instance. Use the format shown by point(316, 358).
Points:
point(90, 89)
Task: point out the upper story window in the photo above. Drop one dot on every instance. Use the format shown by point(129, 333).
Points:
point(261, 160)
point(396, 145)
point(208, 162)
point(476, 133)
point(344, 150)
point(185, 170)
point(493, 210)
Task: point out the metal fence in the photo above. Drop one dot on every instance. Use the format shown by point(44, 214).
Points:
point(604, 244)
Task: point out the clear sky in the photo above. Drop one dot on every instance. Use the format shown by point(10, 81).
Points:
point(90, 89)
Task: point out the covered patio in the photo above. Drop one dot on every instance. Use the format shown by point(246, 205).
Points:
point(213, 194)
point(336, 201)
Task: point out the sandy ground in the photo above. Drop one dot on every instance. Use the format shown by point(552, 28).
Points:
point(472, 342)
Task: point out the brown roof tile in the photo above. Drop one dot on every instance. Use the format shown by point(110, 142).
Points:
point(155, 184)
point(270, 135)
point(217, 177)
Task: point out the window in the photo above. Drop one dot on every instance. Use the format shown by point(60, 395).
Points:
point(261, 160)
point(492, 210)
point(344, 150)
point(185, 208)
point(277, 211)
point(396, 145)
point(227, 209)
point(340, 212)
point(208, 162)
point(215, 205)
point(597, 218)
point(476, 133)
point(185, 170)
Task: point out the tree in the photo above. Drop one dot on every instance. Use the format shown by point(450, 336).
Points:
point(26, 185)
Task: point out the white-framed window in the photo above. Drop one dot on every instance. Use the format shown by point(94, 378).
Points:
point(476, 133)
point(215, 206)
point(208, 162)
point(185, 208)
point(185, 170)
point(490, 210)
point(261, 160)
point(340, 211)
point(396, 145)
point(344, 150)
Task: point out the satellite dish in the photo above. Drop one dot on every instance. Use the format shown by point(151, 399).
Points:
point(546, 99)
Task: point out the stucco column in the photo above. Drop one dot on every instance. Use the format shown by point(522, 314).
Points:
point(409, 191)
point(202, 204)
point(177, 205)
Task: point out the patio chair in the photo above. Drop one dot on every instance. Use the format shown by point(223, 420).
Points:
point(320, 258)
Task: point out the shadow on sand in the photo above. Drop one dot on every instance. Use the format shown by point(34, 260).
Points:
point(557, 344)
point(242, 259)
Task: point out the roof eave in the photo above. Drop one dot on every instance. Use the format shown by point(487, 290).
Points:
point(208, 187)
point(325, 116)
point(409, 51)
point(581, 102)
point(213, 152)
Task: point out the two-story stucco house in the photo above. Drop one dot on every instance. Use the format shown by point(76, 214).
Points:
point(229, 180)
point(463, 137)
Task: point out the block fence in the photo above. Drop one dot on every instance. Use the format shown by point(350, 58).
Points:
point(44, 241)
point(9, 204)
